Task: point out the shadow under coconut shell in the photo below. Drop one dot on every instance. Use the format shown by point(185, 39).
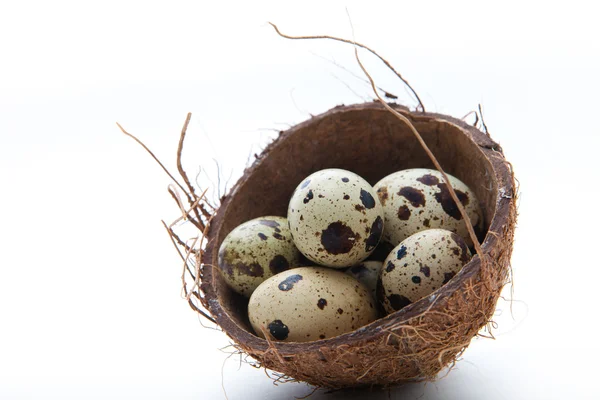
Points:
point(407, 391)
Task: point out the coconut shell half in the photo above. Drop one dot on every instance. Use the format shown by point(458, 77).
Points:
point(412, 344)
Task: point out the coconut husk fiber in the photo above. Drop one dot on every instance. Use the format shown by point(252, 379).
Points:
point(412, 344)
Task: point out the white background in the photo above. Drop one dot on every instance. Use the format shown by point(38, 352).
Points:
point(90, 302)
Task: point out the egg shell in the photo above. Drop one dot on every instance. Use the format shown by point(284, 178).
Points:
point(417, 199)
point(335, 218)
point(310, 303)
point(255, 251)
point(419, 265)
point(367, 273)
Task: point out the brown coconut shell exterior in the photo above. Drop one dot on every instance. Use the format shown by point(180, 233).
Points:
point(412, 344)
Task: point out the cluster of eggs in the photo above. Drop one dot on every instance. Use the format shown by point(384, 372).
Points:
point(315, 274)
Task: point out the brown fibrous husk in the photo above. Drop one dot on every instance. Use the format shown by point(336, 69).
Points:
point(412, 344)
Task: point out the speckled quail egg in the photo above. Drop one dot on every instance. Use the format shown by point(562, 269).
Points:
point(335, 218)
point(255, 251)
point(310, 303)
point(419, 265)
point(367, 273)
point(417, 199)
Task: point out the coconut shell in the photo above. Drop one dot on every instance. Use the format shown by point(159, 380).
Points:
point(412, 344)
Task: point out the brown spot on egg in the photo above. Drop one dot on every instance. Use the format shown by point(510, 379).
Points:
point(389, 267)
point(321, 196)
point(321, 303)
point(288, 283)
point(278, 330)
point(425, 270)
point(414, 196)
point(253, 269)
point(301, 217)
point(346, 197)
point(448, 204)
point(262, 236)
point(383, 194)
point(366, 198)
point(398, 301)
point(403, 213)
point(429, 180)
point(278, 236)
point(358, 207)
point(376, 232)
point(321, 336)
point(340, 311)
point(338, 238)
point(426, 223)
point(448, 276)
point(269, 223)
point(279, 264)
point(224, 262)
point(229, 261)
point(401, 252)
point(309, 197)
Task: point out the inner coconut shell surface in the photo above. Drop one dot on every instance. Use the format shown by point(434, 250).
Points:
point(418, 341)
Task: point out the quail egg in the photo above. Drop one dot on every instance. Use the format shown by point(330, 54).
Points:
point(256, 250)
point(335, 218)
point(366, 273)
point(419, 265)
point(417, 199)
point(310, 303)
